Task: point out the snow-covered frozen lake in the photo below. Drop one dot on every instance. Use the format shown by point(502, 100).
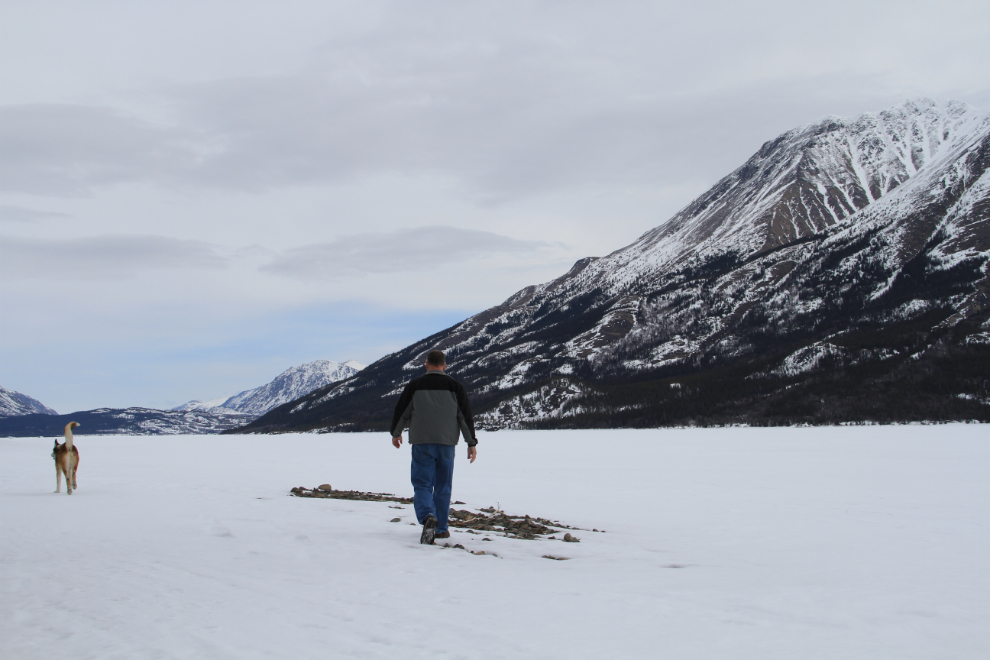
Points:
point(859, 542)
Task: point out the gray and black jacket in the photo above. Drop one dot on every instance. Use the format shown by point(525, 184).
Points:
point(435, 408)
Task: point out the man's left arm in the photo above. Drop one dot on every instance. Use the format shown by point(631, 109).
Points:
point(466, 421)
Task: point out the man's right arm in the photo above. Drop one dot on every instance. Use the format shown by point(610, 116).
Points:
point(405, 400)
point(464, 408)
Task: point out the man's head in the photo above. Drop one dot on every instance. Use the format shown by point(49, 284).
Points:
point(435, 361)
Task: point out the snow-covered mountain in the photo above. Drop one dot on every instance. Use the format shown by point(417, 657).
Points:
point(14, 403)
point(840, 274)
point(289, 385)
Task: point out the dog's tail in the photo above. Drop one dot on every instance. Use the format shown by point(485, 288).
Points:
point(68, 433)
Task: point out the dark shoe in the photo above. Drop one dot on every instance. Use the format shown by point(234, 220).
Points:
point(442, 535)
point(429, 530)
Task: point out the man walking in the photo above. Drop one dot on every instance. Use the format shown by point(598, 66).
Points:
point(435, 409)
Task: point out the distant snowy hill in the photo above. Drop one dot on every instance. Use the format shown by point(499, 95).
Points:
point(123, 421)
point(292, 384)
point(14, 403)
point(842, 273)
point(288, 386)
point(195, 404)
point(31, 418)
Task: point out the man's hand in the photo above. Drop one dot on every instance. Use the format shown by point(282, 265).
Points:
point(472, 453)
point(397, 441)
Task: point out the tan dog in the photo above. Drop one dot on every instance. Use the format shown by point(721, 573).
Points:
point(66, 460)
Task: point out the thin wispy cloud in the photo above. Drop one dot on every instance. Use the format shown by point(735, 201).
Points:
point(102, 257)
point(25, 215)
point(392, 252)
point(65, 150)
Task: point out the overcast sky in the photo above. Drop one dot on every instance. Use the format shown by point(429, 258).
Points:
point(195, 196)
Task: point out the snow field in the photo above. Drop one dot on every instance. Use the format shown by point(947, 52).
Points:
point(851, 542)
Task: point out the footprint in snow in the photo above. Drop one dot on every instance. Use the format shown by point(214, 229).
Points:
point(218, 530)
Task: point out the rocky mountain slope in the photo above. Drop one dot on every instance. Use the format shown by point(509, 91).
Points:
point(14, 403)
point(840, 274)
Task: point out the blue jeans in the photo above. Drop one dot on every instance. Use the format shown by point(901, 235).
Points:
point(432, 477)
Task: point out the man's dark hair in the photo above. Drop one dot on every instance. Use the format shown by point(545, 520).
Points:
point(436, 358)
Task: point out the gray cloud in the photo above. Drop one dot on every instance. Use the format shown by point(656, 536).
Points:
point(402, 250)
point(563, 100)
point(21, 214)
point(508, 115)
point(101, 257)
point(65, 150)
point(506, 135)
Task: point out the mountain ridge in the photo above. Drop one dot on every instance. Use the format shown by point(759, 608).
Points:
point(194, 417)
point(844, 263)
point(123, 421)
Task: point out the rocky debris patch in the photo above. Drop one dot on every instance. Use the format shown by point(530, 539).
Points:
point(490, 520)
point(516, 527)
point(555, 557)
point(326, 491)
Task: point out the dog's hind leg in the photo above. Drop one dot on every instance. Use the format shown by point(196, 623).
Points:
point(58, 478)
